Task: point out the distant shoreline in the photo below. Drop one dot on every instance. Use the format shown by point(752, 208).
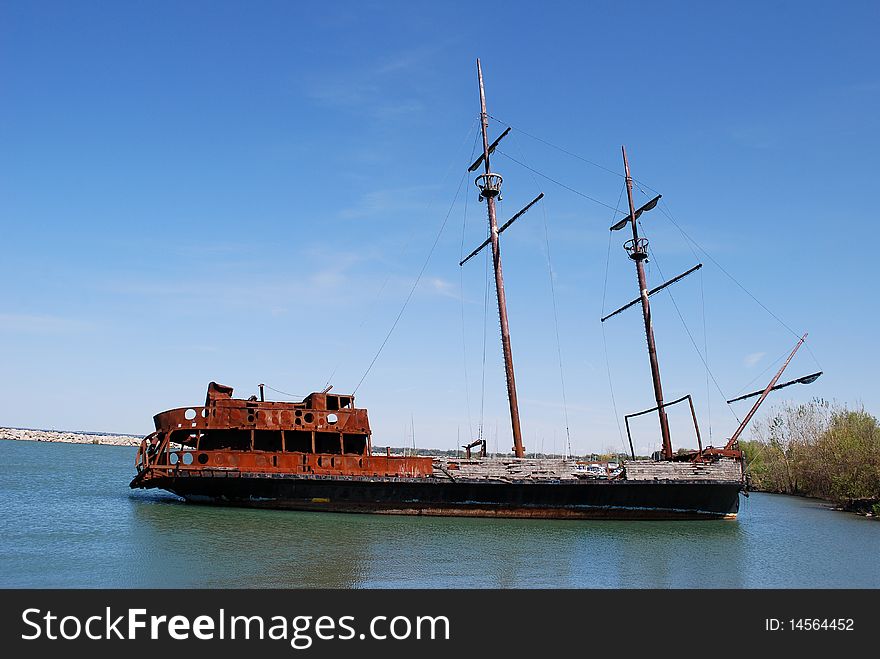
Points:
point(69, 437)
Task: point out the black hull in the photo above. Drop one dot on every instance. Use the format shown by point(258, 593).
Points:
point(584, 499)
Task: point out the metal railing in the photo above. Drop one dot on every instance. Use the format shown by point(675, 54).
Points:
point(654, 409)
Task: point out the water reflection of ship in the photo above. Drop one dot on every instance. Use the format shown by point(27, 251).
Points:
point(215, 547)
point(677, 555)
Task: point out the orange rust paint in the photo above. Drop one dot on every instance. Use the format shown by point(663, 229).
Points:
point(178, 447)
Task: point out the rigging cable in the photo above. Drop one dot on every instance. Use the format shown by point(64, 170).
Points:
point(706, 352)
point(705, 333)
point(414, 286)
point(766, 368)
point(688, 331)
point(467, 393)
point(371, 309)
point(665, 210)
point(559, 148)
point(555, 310)
point(559, 183)
point(485, 334)
point(556, 328)
point(278, 391)
point(691, 242)
point(604, 339)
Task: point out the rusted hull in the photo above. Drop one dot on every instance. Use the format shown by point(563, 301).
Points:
point(559, 500)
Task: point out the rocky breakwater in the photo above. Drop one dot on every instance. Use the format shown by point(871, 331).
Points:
point(32, 435)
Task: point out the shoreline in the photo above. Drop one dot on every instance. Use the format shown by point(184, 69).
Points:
point(69, 437)
point(861, 507)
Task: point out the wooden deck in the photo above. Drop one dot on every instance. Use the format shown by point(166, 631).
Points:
point(536, 470)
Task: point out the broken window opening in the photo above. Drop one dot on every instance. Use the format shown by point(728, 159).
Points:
point(267, 440)
point(236, 440)
point(298, 441)
point(355, 443)
point(327, 442)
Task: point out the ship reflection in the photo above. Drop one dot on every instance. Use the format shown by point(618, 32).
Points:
point(224, 547)
point(185, 545)
point(695, 554)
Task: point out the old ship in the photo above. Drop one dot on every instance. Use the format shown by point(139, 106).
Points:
point(318, 455)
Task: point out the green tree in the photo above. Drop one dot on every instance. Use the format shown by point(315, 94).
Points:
point(816, 449)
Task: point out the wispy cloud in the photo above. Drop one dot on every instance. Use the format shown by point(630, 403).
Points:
point(441, 287)
point(386, 202)
point(204, 348)
point(228, 250)
point(382, 89)
point(753, 358)
point(365, 97)
point(41, 324)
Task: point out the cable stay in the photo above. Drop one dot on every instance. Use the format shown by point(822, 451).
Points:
point(604, 338)
point(693, 341)
point(485, 343)
point(559, 183)
point(665, 210)
point(414, 286)
point(550, 277)
point(621, 224)
point(742, 426)
point(283, 393)
point(559, 148)
point(467, 391)
point(427, 208)
point(637, 249)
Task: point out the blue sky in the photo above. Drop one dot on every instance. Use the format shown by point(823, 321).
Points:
point(245, 192)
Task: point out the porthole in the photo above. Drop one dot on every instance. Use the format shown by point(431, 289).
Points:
point(332, 418)
point(190, 414)
point(203, 458)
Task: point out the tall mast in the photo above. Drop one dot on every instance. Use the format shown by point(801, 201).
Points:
point(638, 252)
point(490, 187)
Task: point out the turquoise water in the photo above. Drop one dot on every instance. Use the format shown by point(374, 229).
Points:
point(68, 519)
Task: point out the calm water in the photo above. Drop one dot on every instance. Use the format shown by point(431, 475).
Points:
point(68, 519)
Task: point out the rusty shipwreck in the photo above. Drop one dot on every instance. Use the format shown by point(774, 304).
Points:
point(318, 454)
